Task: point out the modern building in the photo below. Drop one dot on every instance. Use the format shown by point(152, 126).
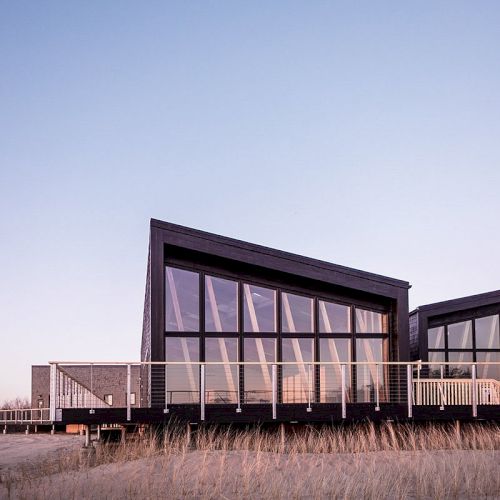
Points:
point(100, 386)
point(214, 299)
point(235, 332)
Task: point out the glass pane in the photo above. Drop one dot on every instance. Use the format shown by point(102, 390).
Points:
point(259, 309)
point(334, 318)
point(435, 369)
point(182, 380)
point(435, 338)
point(459, 371)
point(221, 380)
point(298, 379)
point(221, 305)
point(460, 335)
point(487, 336)
point(369, 376)
point(371, 322)
point(330, 376)
point(258, 378)
point(296, 314)
point(488, 371)
point(182, 300)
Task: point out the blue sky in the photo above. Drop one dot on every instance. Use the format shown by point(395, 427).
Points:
point(362, 133)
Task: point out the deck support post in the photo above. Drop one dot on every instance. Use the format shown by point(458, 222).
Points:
point(128, 393)
point(27, 431)
point(282, 436)
point(202, 392)
point(188, 435)
point(53, 430)
point(474, 391)
point(4, 429)
point(409, 385)
point(99, 433)
point(274, 390)
point(342, 384)
point(87, 436)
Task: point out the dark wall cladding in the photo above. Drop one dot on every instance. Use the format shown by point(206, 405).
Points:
point(414, 344)
point(146, 339)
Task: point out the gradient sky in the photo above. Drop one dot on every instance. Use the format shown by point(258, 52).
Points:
point(362, 133)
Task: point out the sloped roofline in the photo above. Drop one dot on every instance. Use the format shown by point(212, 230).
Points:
point(275, 253)
point(478, 300)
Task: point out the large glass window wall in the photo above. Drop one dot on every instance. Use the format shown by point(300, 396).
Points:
point(461, 343)
point(226, 320)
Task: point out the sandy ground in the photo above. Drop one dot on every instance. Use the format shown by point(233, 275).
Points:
point(17, 450)
point(243, 474)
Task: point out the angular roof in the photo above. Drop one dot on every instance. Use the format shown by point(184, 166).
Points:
point(470, 301)
point(274, 259)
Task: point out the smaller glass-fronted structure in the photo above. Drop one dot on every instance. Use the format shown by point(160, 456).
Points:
point(461, 332)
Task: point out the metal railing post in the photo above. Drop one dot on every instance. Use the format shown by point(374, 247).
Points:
point(377, 389)
point(309, 380)
point(129, 412)
point(202, 392)
point(409, 375)
point(344, 407)
point(52, 402)
point(238, 409)
point(92, 410)
point(441, 390)
point(166, 410)
point(274, 390)
point(474, 390)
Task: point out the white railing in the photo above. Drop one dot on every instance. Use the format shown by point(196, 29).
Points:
point(25, 416)
point(449, 391)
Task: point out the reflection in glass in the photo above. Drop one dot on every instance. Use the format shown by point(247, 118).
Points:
point(334, 318)
point(182, 300)
point(460, 335)
point(487, 335)
point(221, 305)
point(435, 338)
point(488, 371)
point(298, 378)
point(459, 371)
point(221, 380)
point(182, 380)
point(258, 378)
point(370, 377)
point(296, 313)
point(370, 322)
point(259, 309)
point(436, 358)
point(339, 351)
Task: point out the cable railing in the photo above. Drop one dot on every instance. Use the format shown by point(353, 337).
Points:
point(312, 384)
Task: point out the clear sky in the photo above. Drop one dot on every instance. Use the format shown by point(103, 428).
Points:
point(362, 133)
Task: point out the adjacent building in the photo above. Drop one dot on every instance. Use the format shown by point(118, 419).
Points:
point(461, 331)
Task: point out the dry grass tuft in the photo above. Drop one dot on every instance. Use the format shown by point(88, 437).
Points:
point(363, 461)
